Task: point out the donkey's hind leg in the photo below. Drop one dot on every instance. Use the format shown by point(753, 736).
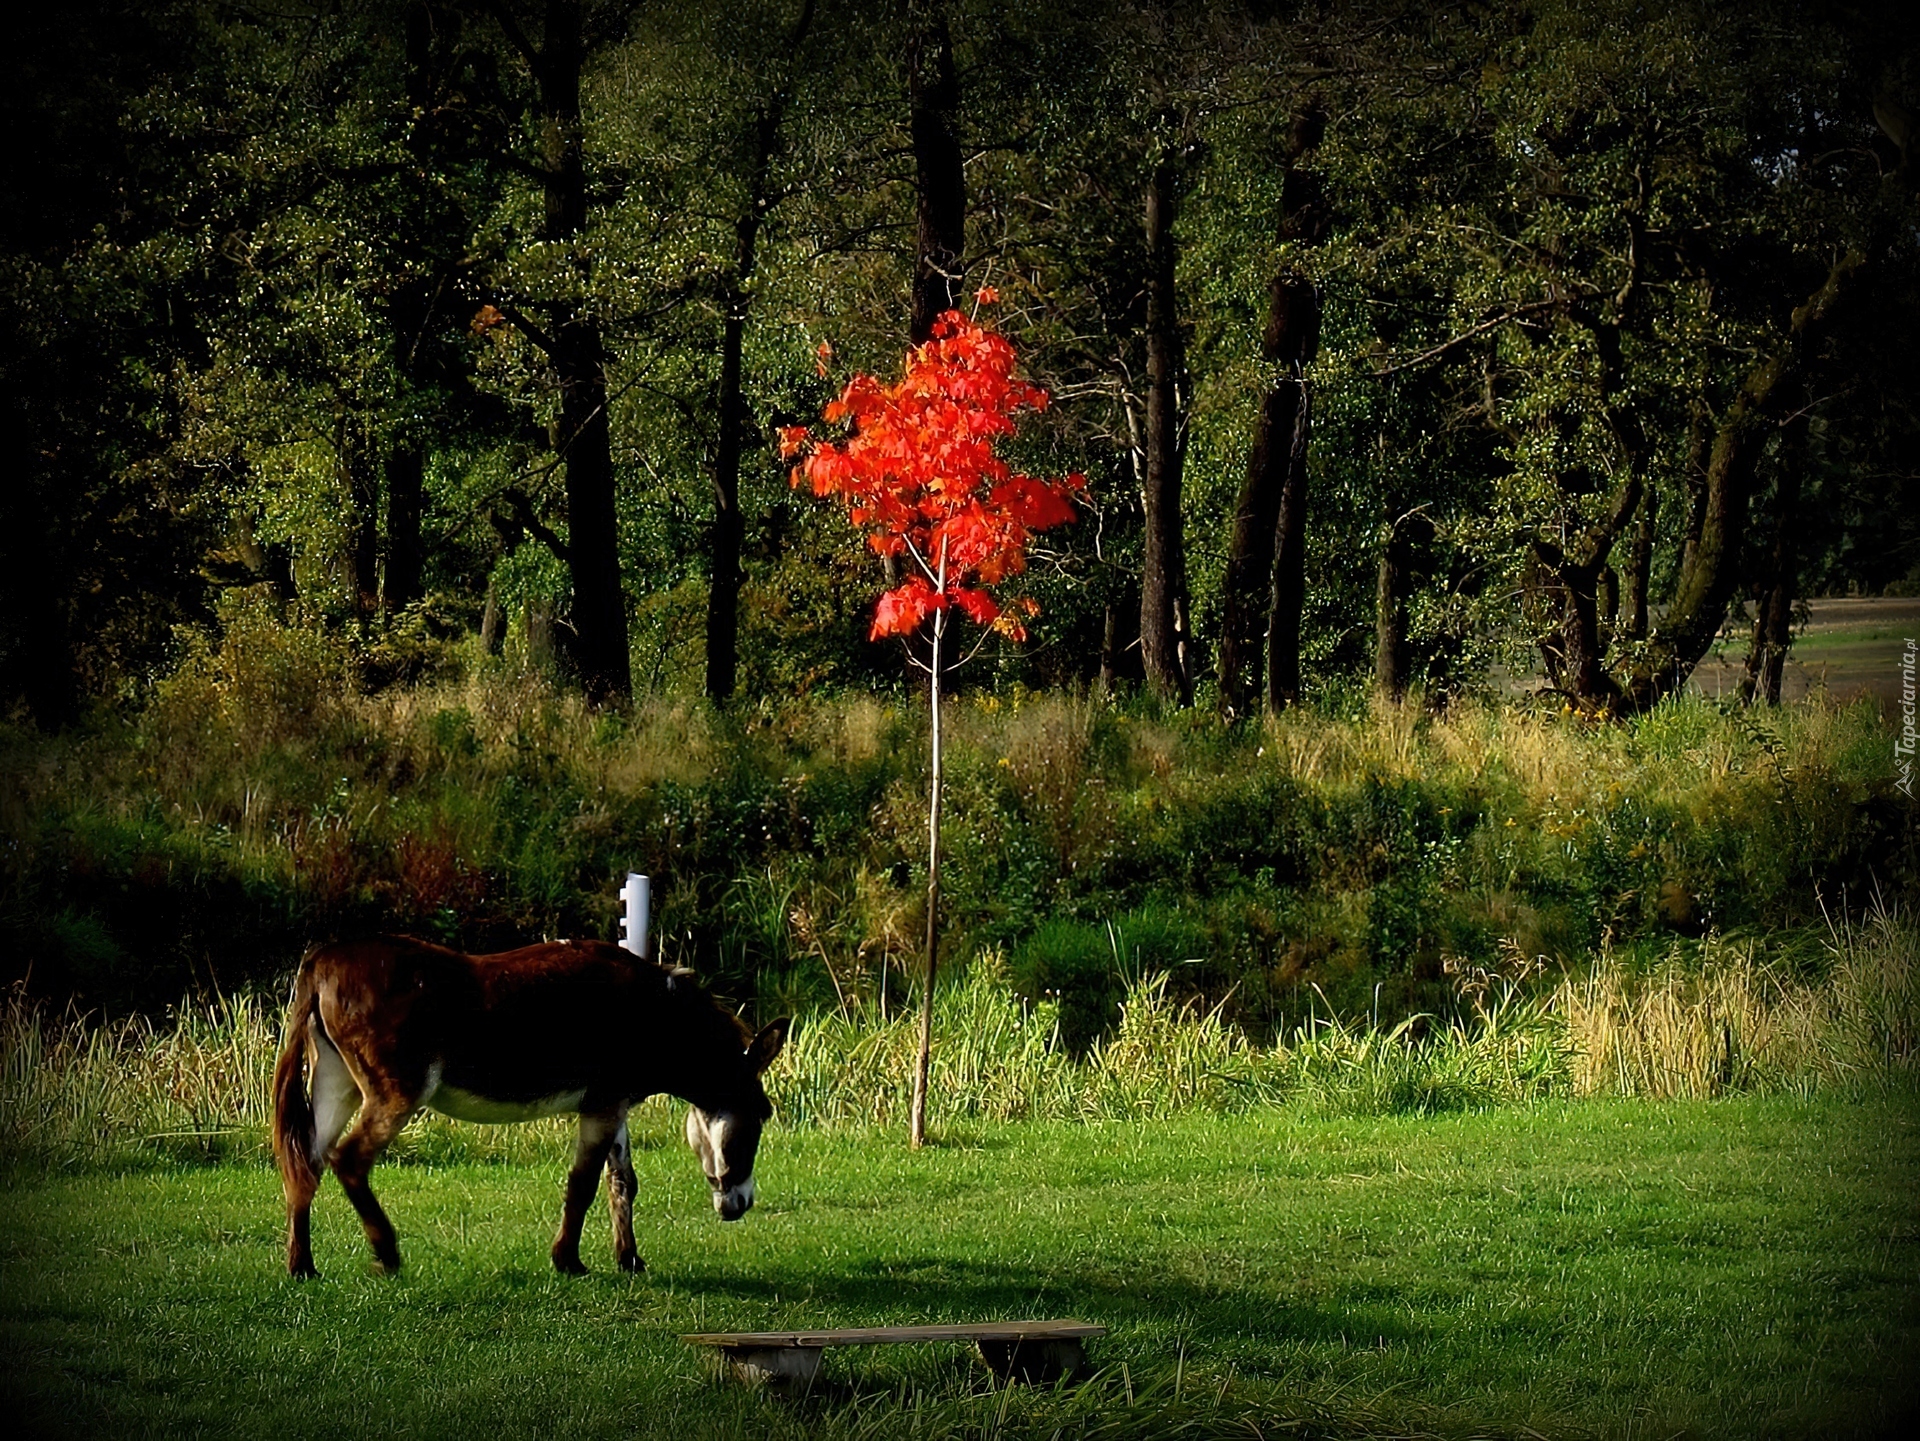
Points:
point(620, 1188)
point(381, 1118)
point(335, 1096)
point(597, 1134)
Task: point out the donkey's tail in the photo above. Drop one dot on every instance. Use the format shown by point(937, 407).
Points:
point(292, 1102)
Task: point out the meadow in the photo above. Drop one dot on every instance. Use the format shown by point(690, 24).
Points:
point(1741, 1267)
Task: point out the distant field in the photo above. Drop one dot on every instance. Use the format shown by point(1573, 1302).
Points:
point(1736, 1268)
point(1851, 647)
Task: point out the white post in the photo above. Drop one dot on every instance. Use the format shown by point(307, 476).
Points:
point(637, 893)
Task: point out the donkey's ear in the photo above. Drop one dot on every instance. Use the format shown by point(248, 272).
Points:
point(679, 978)
point(767, 1044)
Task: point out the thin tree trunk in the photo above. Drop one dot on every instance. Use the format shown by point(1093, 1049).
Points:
point(538, 617)
point(362, 487)
point(406, 483)
point(1109, 648)
point(1640, 568)
point(1276, 459)
point(1288, 596)
point(1247, 595)
point(1564, 598)
point(1773, 616)
point(409, 314)
point(1390, 654)
point(940, 236)
point(923, 1061)
point(1163, 580)
point(1699, 448)
point(492, 621)
point(598, 649)
point(728, 533)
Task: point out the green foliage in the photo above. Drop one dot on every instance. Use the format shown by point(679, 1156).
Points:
point(262, 800)
point(264, 264)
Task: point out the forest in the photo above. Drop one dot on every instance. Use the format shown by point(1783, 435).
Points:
point(1404, 346)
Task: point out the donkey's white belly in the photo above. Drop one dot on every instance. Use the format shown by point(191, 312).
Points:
point(466, 1106)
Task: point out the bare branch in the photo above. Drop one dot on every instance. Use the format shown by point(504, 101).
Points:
point(1532, 307)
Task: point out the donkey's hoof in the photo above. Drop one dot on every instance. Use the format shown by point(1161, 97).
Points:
point(387, 1263)
point(632, 1264)
point(307, 1272)
point(569, 1266)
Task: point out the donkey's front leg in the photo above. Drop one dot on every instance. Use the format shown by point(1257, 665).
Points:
point(620, 1189)
point(597, 1133)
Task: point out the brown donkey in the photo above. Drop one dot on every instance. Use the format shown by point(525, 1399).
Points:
point(389, 1025)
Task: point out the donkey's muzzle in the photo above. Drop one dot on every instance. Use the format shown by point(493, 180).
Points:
point(734, 1202)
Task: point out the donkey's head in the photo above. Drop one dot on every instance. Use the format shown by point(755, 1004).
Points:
point(726, 1134)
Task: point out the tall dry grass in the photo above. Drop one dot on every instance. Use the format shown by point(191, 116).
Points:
point(1737, 1018)
point(196, 1087)
point(1732, 1017)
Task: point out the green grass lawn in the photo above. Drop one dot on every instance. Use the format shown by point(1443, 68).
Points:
point(1737, 1268)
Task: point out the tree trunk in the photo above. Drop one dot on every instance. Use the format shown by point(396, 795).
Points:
point(1394, 585)
point(1708, 579)
point(598, 644)
point(724, 540)
point(1163, 580)
point(1773, 615)
point(1109, 648)
point(728, 533)
point(940, 236)
point(923, 1059)
point(362, 488)
point(1247, 595)
point(1705, 587)
point(538, 617)
point(1288, 592)
point(1639, 568)
point(409, 314)
point(406, 481)
point(1699, 447)
point(1566, 595)
point(492, 621)
point(1265, 576)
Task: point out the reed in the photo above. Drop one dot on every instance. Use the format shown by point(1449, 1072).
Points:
point(993, 1060)
point(1736, 1016)
point(193, 1088)
point(1836, 1009)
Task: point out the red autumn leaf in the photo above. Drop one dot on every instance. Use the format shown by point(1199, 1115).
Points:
point(980, 607)
point(900, 610)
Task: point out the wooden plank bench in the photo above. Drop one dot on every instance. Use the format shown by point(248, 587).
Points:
point(1029, 1350)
